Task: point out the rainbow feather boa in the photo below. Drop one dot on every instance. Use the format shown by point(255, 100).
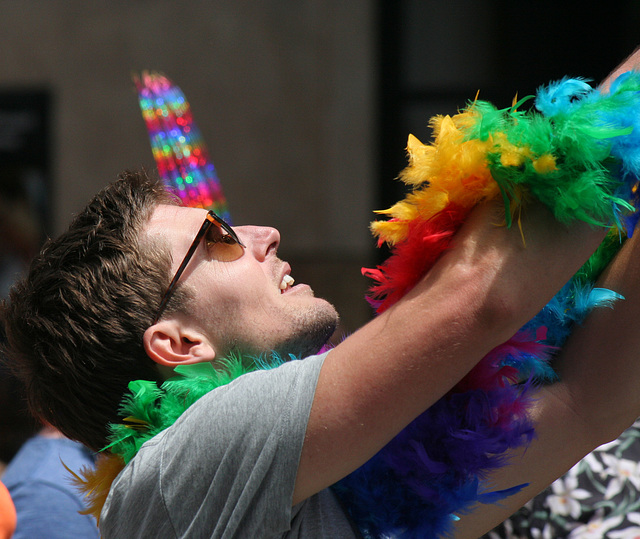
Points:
point(579, 153)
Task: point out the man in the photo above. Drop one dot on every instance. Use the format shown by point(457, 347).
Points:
point(254, 458)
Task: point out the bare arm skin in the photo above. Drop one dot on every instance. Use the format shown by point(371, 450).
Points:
point(631, 62)
point(382, 377)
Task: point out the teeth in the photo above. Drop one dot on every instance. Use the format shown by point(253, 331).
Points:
point(287, 281)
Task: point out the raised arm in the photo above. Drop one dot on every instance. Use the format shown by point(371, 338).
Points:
point(382, 377)
point(597, 397)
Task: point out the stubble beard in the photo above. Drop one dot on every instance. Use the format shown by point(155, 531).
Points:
point(311, 332)
point(307, 332)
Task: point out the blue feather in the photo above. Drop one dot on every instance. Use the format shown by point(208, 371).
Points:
point(558, 96)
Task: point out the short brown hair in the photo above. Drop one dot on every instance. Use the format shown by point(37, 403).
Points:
point(74, 324)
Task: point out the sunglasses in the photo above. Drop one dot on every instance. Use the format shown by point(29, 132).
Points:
point(222, 244)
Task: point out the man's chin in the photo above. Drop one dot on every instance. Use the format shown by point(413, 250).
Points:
point(304, 334)
point(313, 333)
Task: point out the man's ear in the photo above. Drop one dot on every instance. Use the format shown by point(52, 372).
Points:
point(169, 343)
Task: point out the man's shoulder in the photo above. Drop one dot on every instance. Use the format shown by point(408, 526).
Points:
point(243, 437)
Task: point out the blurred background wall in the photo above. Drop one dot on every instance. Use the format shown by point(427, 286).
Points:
point(305, 105)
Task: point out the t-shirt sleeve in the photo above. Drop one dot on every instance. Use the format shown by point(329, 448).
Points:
point(227, 466)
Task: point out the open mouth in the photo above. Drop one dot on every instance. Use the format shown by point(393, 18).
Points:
point(286, 283)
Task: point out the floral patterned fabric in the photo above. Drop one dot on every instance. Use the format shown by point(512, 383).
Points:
point(598, 498)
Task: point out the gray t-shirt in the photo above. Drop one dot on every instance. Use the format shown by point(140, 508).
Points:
point(227, 467)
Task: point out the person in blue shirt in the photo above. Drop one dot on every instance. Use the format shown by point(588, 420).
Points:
point(47, 504)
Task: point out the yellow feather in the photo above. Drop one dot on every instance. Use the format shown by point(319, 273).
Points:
point(545, 163)
point(96, 483)
point(390, 231)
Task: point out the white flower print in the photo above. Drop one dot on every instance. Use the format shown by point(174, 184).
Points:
point(564, 500)
point(621, 472)
point(592, 463)
point(632, 532)
point(546, 533)
point(597, 527)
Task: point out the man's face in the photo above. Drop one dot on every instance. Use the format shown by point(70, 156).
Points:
point(246, 304)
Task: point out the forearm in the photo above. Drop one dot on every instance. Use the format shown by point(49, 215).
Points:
point(476, 297)
point(597, 397)
point(379, 379)
point(600, 365)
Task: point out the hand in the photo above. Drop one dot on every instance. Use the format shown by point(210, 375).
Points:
point(521, 268)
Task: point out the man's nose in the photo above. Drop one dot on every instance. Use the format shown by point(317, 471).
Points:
point(262, 241)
